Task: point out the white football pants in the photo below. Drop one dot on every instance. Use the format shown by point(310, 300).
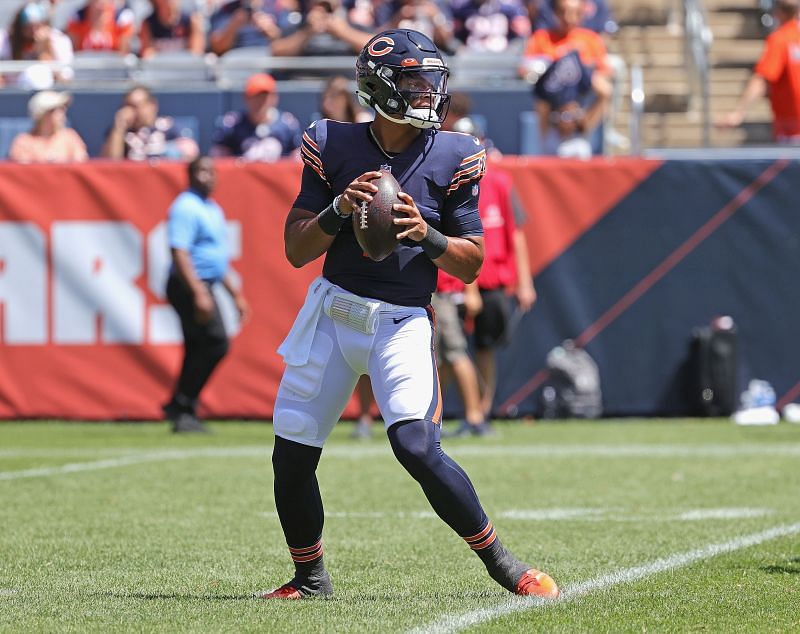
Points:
point(398, 358)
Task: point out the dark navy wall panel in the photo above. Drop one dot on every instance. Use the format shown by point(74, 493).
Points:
point(747, 268)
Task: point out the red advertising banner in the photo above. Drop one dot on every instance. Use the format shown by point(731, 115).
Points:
point(85, 331)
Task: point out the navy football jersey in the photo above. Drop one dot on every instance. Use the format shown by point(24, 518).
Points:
point(439, 170)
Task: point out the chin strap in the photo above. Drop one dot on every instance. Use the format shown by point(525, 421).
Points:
point(417, 121)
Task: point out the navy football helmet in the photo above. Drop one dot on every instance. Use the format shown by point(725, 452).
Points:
point(401, 74)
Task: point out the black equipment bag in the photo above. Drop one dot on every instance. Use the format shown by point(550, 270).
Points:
point(572, 389)
point(713, 369)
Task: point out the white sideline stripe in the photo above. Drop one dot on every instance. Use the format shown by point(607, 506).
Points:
point(380, 450)
point(612, 515)
point(555, 514)
point(456, 623)
point(77, 467)
point(722, 514)
point(348, 452)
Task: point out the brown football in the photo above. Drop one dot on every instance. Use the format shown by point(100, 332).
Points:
point(372, 224)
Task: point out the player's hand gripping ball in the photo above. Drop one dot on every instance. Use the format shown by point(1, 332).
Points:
point(373, 223)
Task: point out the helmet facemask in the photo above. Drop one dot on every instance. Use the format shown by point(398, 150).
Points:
point(415, 96)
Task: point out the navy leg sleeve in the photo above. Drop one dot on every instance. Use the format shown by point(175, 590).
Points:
point(416, 444)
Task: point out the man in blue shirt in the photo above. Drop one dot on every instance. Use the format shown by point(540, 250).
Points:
point(260, 132)
point(363, 316)
point(198, 243)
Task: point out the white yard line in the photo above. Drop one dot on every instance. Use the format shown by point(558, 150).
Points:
point(564, 514)
point(380, 451)
point(134, 459)
point(458, 622)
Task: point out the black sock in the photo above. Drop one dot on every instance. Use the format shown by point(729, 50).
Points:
point(502, 565)
point(311, 578)
point(299, 506)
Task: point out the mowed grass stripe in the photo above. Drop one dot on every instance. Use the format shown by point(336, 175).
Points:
point(458, 622)
point(349, 452)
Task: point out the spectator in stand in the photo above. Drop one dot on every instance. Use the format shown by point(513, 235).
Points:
point(567, 35)
point(260, 132)
point(170, 28)
point(139, 133)
point(30, 37)
point(50, 140)
point(243, 23)
point(338, 102)
point(491, 26)
point(431, 17)
point(582, 25)
point(324, 30)
point(596, 16)
point(776, 73)
point(361, 13)
point(566, 117)
point(102, 25)
point(546, 46)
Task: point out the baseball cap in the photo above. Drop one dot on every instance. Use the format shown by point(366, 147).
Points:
point(32, 13)
point(258, 83)
point(45, 101)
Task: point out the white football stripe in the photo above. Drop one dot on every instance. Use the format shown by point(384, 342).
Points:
point(458, 622)
point(722, 514)
point(556, 514)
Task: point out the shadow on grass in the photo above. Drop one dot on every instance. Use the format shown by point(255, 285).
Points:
point(791, 567)
point(165, 596)
point(377, 597)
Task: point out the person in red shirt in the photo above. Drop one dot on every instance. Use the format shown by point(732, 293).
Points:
point(101, 26)
point(776, 73)
point(505, 272)
point(452, 302)
point(505, 269)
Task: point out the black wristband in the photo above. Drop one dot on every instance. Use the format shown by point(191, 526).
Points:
point(329, 221)
point(434, 244)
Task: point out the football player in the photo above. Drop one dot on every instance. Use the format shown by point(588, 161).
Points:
point(368, 317)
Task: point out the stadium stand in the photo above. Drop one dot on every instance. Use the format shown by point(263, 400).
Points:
point(666, 40)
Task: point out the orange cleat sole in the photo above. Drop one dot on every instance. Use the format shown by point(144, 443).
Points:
point(285, 592)
point(535, 583)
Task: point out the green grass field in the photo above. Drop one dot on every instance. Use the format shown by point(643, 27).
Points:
point(666, 526)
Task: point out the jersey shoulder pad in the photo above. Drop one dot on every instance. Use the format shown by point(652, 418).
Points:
point(315, 137)
point(469, 159)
